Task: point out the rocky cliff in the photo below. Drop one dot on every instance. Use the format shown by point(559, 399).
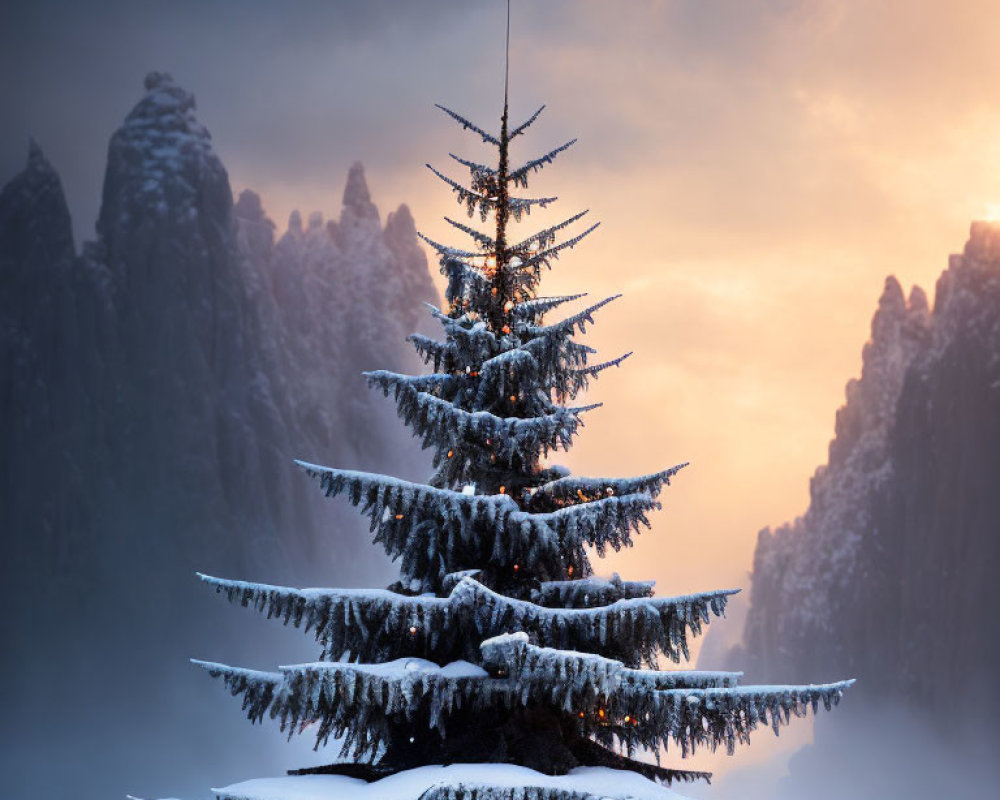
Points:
point(156, 388)
point(890, 574)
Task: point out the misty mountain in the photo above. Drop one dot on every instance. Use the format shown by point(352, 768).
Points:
point(156, 388)
point(890, 574)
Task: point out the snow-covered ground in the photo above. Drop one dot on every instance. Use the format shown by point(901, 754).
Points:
point(599, 782)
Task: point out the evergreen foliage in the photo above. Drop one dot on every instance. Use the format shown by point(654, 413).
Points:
point(498, 644)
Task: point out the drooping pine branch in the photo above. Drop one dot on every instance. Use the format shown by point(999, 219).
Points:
point(575, 489)
point(519, 176)
point(525, 125)
point(546, 237)
point(488, 243)
point(466, 125)
point(589, 592)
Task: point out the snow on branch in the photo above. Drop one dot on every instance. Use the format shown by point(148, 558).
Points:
point(443, 424)
point(544, 238)
point(571, 678)
point(524, 126)
point(608, 522)
point(588, 592)
point(534, 308)
point(519, 177)
point(467, 197)
point(353, 702)
point(592, 372)
point(469, 334)
point(713, 717)
point(576, 489)
point(445, 251)
point(258, 688)
point(634, 630)
point(443, 354)
point(486, 203)
point(386, 381)
point(522, 205)
point(488, 243)
point(475, 168)
point(466, 284)
point(578, 321)
point(438, 531)
point(557, 357)
point(579, 379)
point(466, 125)
point(369, 624)
point(648, 707)
point(534, 263)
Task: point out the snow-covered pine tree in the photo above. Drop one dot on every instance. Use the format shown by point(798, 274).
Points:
point(498, 644)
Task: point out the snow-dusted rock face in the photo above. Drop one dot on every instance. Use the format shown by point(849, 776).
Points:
point(890, 574)
point(156, 389)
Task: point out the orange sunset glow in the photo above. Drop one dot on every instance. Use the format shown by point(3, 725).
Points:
point(758, 169)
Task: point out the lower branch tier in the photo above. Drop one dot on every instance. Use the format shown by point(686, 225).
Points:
point(525, 704)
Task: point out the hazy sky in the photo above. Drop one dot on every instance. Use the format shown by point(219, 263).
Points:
point(759, 167)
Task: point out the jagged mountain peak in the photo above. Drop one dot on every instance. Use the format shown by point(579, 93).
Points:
point(250, 208)
point(36, 158)
point(161, 162)
point(35, 225)
point(890, 573)
point(399, 225)
point(168, 107)
point(357, 199)
point(917, 301)
point(984, 243)
point(898, 330)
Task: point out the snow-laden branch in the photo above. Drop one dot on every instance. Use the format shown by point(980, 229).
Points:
point(466, 125)
point(525, 125)
point(578, 321)
point(485, 203)
point(442, 424)
point(546, 237)
point(634, 631)
point(356, 700)
point(590, 591)
point(576, 489)
point(445, 251)
point(519, 176)
point(534, 308)
point(488, 243)
point(378, 624)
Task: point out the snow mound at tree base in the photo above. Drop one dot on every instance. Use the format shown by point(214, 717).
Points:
point(457, 782)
